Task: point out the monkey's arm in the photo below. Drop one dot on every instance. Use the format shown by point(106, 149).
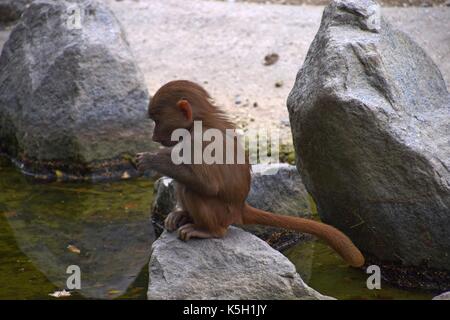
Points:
point(182, 173)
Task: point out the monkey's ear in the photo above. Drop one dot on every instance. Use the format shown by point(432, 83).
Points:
point(186, 108)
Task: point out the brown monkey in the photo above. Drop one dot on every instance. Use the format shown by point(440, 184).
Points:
point(213, 196)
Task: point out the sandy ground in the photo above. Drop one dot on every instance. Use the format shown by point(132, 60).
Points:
point(222, 46)
point(396, 3)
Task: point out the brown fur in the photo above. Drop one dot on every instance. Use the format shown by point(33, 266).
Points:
point(213, 196)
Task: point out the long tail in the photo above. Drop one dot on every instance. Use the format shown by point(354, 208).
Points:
point(335, 238)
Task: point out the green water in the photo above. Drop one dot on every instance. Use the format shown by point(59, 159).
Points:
point(326, 272)
point(105, 229)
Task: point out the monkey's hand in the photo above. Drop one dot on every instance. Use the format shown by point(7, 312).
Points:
point(144, 161)
point(162, 163)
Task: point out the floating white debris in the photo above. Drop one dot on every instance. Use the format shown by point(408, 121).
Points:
point(60, 294)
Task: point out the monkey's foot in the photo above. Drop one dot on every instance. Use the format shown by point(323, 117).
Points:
point(190, 231)
point(176, 219)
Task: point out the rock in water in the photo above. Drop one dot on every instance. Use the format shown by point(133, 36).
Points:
point(370, 116)
point(71, 96)
point(276, 188)
point(239, 266)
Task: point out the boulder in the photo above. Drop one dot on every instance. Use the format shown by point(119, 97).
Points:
point(72, 99)
point(276, 188)
point(11, 10)
point(370, 121)
point(239, 266)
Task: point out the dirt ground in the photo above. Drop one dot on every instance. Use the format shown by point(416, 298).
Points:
point(390, 3)
point(222, 46)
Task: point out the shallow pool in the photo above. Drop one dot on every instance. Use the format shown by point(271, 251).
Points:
point(326, 272)
point(105, 230)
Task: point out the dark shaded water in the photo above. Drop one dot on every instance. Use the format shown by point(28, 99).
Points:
point(326, 272)
point(105, 229)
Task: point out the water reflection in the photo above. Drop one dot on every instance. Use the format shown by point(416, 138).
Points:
point(105, 229)
point(329, 274)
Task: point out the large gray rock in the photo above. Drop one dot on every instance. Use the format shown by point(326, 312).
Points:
point(370, 120)
point(11, 10)
point(71, 96)
point(276, 188)
point(239, 266)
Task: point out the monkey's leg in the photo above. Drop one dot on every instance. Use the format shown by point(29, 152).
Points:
point(176, 219)
point(190, 230)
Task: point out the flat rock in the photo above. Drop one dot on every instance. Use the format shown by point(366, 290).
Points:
point(239, 266)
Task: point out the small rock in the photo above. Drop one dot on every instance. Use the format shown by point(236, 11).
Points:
point(271, 59)
point(278, 84)
point(285, 122)
point(165, 200)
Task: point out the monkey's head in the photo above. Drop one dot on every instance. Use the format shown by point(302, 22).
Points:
point(175, 106)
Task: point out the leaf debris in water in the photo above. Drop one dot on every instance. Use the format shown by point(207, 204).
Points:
point(73, 249)
point(59, 174)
